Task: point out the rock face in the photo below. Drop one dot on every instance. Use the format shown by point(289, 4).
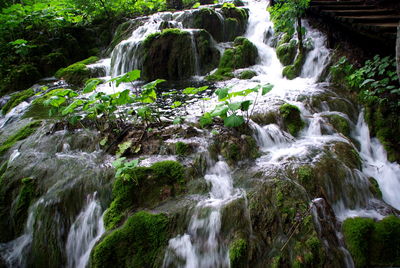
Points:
point(174, 54)
point(223, 25)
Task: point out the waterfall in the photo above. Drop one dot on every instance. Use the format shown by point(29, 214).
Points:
point(376, 164)
point(84, 232)
point(201, 245)
point(195, 54)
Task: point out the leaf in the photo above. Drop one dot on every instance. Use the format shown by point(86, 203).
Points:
point(222, 93)
point(144, 112)
point(220, 110)
point(205, 120)
point(178, 120)
point(266, 88)
point(234, 121)
point(234, 106)
point(123, 147)
point(128, 77)
point(214, 132)
point(71, 108)
point(89, 87)
point(54, 101)
point(245, 105)
point(119, 162)
point(366, 82)
point(176, 104)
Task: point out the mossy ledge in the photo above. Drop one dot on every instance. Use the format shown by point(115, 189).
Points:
point(238, 253)
point(373, 244)
point(77, 73)
point(16, 99)
point(291, 118)
point(148, 186)
point(138, 243)
point(21, 134)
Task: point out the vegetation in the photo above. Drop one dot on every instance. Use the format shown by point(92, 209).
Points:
point(292, 119)
point(377, 86)
point(286, 15)
point(238, 253)
point(16, 99)
point(21, 134)
point(372, 243)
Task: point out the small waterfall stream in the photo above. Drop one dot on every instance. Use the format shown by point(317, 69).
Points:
point(201, 245)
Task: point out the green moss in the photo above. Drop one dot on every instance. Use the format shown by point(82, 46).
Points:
point(181, 148)
point(287, 52)
point(357, 233)
point(291, 117)
point(243, 54)
point(22, 203)
point(166, 32)
point(138, 243)
point(385, 243)
point(373, 244)
point(143, 190)
point(285, 38)
point(294, 70)
point(220, 75)
point(77, 73)
point(21, 134)
point(248, 74)
point(340, 124)
point(304, 174)
point(16, 99)
point(374, 188)
point(238, 253)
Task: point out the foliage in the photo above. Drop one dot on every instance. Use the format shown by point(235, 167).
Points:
point(125, 170)
point(234, 113)
point(238, 253)
point(291, 117)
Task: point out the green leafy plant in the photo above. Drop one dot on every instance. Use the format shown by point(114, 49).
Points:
point(234, 113)
point(125, 169)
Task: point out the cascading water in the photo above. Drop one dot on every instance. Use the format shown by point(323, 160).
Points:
point(84, 232)
point(201, 245)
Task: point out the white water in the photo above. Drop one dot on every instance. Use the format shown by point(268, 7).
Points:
point(376, 164)
point(84, 232)
point(201, 245)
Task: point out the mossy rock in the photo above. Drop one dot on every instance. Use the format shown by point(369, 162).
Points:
point(77, 73)
point(207, 19)
point(221, 74)
point(291, 118)
point(16, 99)
point(248, 74)
point(138, 243)
point(283, 39)
point(294, 70)
point(21, 134)
point(170, 55)
point(181, 148)
point(243, 54)
point(144, 189)
point(123, 31)
point(340, 124)
point(287, 52)
point(19, 211)
point(374, 188)
point(238, 253)
point(373, 244)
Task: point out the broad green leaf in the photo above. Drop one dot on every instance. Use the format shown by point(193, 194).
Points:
point(54, 101)
point(176, 104)
point(71, 108)
point(222, 93)
point(245, 105)
point(234, 106)
point(266, 88)
point(89, 87)
point(206, 119)
point(233, 121)
point(220, 110)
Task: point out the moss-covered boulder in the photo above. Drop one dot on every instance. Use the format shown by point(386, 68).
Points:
point(287, 52)
point(294, 70)
point(291, 118)
point(340, 123)
point(123, 31)
point(146, 187)
point(247, 74)
point(223, 25)
point(238, 251)
point(138, 243)
point(373, 244)
point(77, 73)
point(174, 54)
point(243, 54)
point(220, 74)
point(16, 99)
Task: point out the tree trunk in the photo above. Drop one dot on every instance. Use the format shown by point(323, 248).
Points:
point(300, 35)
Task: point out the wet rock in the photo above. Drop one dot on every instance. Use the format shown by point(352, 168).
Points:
point(294, 70)
point(77, 73)
point(291, 118)
point(340, 124)
point(243, 54)
point(174, 55)
point(287, 52)
point(247, 74)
